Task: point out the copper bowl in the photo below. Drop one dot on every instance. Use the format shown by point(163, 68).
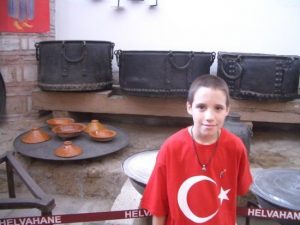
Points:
point(59, 121)
point(93, 126)
point(103, 135)
point(68, 150)
point(35, 135)
point(68, 130)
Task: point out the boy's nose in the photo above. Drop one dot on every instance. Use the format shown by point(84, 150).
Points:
point(209, 115)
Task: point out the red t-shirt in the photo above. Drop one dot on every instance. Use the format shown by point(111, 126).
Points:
point(179, 190)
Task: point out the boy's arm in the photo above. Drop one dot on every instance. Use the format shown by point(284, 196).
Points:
point(158, 220)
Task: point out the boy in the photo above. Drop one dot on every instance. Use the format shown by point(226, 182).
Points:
point(201, 169)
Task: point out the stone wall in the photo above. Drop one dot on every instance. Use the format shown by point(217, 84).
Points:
point(18, 66)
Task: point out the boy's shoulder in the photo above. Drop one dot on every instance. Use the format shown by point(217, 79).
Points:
point(230, 139)
point(175, 142)
point(179, 137)
point(229, 135)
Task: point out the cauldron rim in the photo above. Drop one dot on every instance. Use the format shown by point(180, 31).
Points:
point(76, 41)
point(131, 174)
point(261, 180)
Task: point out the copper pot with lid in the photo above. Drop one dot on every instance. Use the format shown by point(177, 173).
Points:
point(35, 135)
point(68, 150)
point(94, 125)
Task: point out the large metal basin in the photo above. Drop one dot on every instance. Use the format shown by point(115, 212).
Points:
point(138, 168)
point(278, 188)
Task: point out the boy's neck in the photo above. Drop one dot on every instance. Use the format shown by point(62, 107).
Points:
point(204, 140)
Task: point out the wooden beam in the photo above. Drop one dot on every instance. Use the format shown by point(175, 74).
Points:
point(106, 102)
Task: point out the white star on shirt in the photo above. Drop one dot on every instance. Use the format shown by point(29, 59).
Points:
point(223, 194)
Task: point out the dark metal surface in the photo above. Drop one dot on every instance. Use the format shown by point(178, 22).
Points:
point(281, 187)
point(161, 73)
point(74, 65)
point(2, 95)
point(40, 200)
point(260, 76)
point(90, 148)
point(239, 128)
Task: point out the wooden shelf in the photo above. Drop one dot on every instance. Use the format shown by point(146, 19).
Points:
point(109, 103)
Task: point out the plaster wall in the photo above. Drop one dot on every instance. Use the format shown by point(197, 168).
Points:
point(256, 26)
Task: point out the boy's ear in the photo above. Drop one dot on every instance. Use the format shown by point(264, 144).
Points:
point(189, 108)
point(228, 110)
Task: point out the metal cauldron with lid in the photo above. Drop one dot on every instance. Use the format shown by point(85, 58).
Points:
point(278, 188)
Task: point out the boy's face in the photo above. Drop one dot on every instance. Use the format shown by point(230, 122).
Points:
point(209, 111)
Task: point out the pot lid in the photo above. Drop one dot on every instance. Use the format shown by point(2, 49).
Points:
point(140, 165)
point(278, 186)
point(35, 135)
point(67, 150)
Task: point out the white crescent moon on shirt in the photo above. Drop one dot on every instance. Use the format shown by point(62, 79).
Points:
point(182, 199)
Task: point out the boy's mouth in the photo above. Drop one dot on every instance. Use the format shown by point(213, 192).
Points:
point(209, 125)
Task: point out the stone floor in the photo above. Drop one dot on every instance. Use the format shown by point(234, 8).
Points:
point(94, 185)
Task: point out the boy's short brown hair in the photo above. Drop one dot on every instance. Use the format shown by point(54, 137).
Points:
point(210, 81)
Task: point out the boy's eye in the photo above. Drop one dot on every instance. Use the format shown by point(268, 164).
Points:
point(201, 106)
point(219, 107)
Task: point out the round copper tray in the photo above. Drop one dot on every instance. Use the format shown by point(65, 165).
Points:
point(90, 148)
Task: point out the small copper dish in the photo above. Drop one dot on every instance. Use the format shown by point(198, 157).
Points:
point(103, 135)
point(93, 126)
point(68, 150)
point(68, 130)
point(59, 121)
point(34, 136)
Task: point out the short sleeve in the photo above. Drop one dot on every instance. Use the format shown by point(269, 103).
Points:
point(155, 198)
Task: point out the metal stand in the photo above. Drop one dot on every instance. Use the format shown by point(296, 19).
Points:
point(41, 201)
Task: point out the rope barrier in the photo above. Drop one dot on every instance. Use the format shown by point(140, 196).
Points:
point(138, 213)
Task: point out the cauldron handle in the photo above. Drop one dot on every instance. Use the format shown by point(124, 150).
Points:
point(83, 53)
point(186, 65)
point(37, 51)
point(240, 68)
point(118, 53)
